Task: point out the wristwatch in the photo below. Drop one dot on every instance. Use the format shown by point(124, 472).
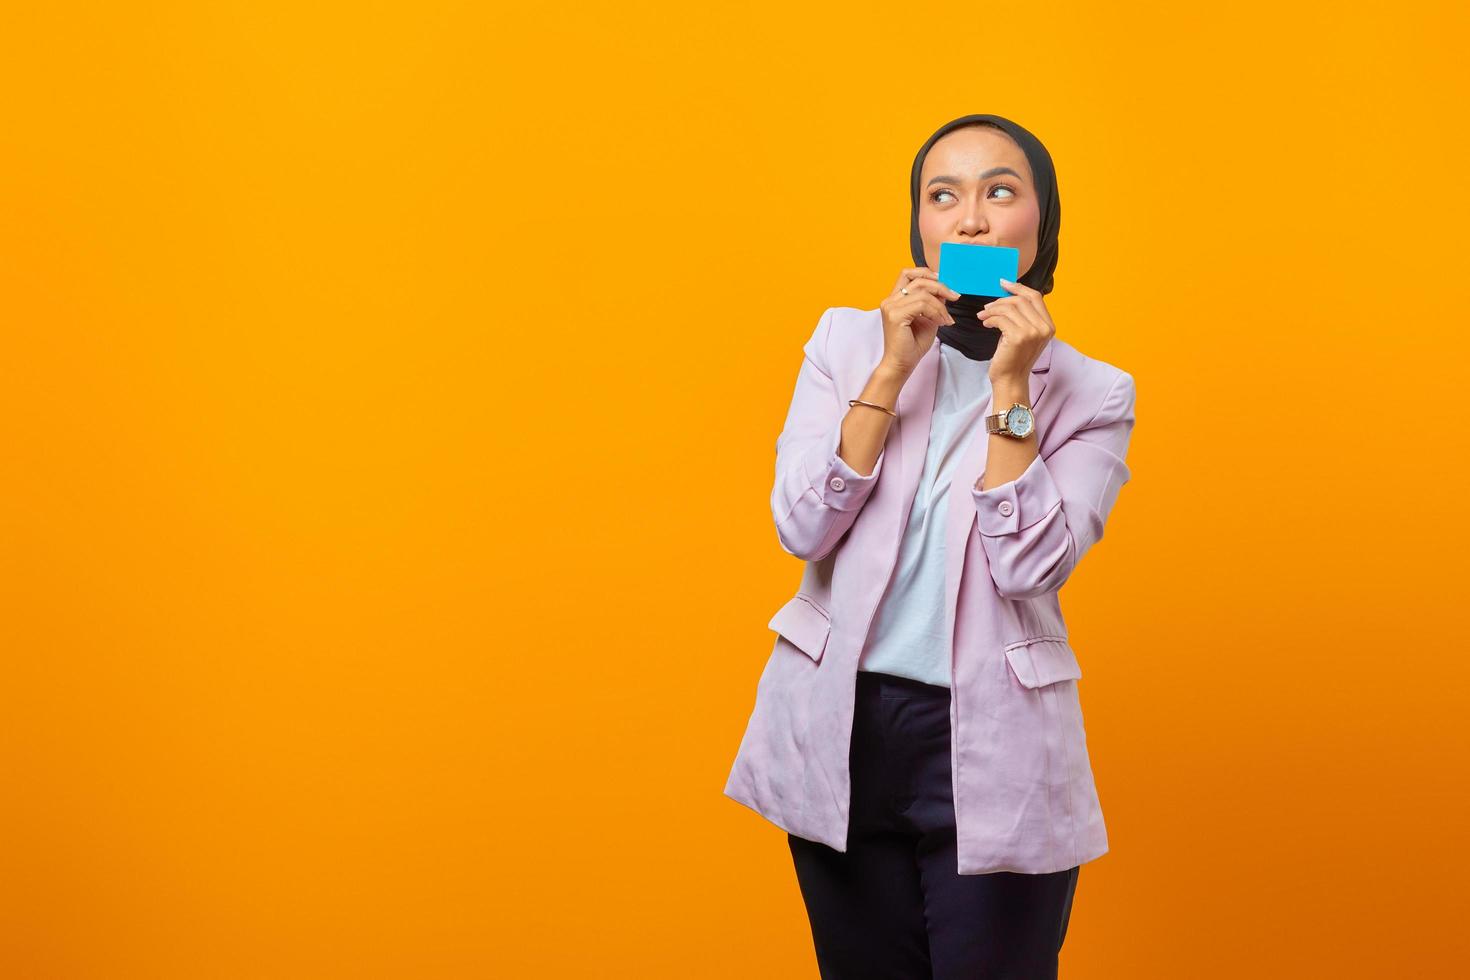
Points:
point(1016, 422)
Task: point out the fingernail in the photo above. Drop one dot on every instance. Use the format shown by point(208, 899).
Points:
point(1007, 282)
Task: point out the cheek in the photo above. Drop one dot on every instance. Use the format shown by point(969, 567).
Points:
point(1023, 227)
point(932, 232)
point(931, 226)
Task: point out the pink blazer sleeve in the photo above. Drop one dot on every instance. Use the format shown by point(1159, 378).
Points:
point(816, 496)
point(1036, 528)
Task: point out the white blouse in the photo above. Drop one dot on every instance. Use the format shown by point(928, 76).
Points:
point(907, 636)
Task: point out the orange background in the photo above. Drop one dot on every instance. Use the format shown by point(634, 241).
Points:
point(388, 413)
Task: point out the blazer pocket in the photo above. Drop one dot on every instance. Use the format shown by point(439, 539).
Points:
point(1041, 660)
point(805, 624)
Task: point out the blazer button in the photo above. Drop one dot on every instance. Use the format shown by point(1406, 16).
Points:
point(1005, 508)
point(837, 483)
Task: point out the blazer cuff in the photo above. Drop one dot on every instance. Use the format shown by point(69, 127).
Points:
point(1017, 504)
point(836, 484)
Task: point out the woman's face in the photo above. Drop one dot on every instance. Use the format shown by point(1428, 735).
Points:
point(975, 188)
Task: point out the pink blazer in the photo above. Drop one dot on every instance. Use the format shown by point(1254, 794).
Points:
point(1023, 788)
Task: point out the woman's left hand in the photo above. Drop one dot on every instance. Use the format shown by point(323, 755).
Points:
point(1025, 329)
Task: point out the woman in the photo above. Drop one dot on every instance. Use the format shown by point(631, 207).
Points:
point(917, 729)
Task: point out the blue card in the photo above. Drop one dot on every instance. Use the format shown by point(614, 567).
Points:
point(976, 270)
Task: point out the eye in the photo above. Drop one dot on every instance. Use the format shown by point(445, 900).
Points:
point(998, 187)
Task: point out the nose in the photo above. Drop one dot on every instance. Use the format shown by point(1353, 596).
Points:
point(973, 220)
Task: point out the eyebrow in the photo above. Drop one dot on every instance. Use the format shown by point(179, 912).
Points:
point(992, 172)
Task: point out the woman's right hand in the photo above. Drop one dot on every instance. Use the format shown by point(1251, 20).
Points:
point(910, 322)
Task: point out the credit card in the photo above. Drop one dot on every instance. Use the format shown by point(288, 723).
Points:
point(976, 270)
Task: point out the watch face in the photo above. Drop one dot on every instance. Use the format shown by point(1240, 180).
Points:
point(1019, 421)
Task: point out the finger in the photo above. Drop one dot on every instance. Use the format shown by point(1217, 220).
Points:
point(1031, 297)
point(931, 308)
point(1015, 307)
point(1004, 322)
point(908, 307)
point(1019, 288)
point(933, 286)
point(938, 311)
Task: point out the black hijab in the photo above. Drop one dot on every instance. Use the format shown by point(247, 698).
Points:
point(967, 334)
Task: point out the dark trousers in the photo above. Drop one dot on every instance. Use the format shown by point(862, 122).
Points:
point(894, 905)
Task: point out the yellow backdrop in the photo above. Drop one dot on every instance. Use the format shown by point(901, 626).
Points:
point(388, 413)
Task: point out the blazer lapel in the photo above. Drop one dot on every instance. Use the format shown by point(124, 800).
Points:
point(915, 408)
point(971, 468)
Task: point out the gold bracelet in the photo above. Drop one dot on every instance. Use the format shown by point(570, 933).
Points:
point(859, 401)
